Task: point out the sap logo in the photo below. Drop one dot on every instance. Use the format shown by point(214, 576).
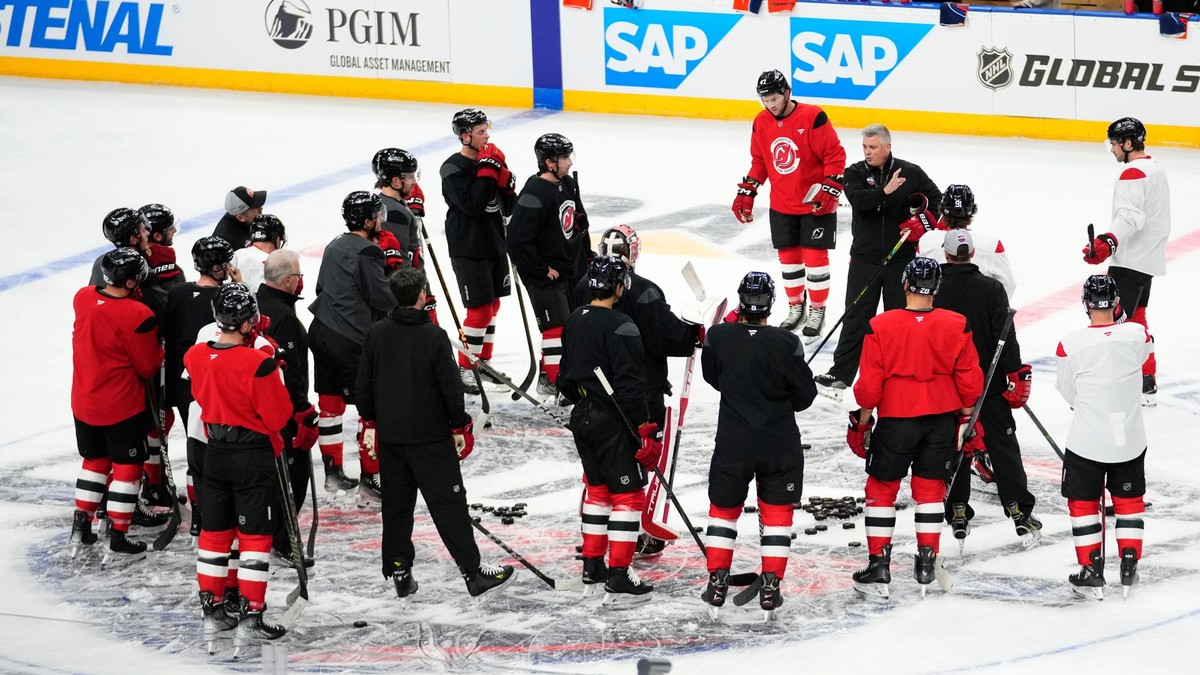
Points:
point(848, 59)
point(99, 25)
point(654, 48)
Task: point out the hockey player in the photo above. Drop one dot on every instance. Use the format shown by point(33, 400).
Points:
point(982, 301)
point(163, 267)
point(1098, 375)
point(479, 191)
point(795, 146)
point(958, 212)
point(267, 234)
point(614, 470)
point(546, 236)
point(1137, 238)
point(352, 293)
point(764, 381)
point(125, 227)
point(396, 174)
point(919, 369)
point(883, 191)
point(409, 393)
point(115, 351)
point(242, 206)
point(277, 297)
point(243, 405)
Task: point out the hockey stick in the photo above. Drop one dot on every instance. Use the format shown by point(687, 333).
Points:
point(533, 361)
point(741, 579)
point(312, 483)
point(970, 431)
point(158, 413)
point(886, 260)
point(1091, 240)
point(298, 598)
point(1045, 434)
point(476, 362)
point(437, 267)
point(556, 584)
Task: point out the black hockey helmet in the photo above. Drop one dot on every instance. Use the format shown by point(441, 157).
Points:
point(120, 224)
point(551, 146)
point(122, 264)
point(1128, 128)
point(268, 227)
point(958, 202)
point(605, 272)
point(234, 305)
point(361, 205)
point(211, 252)
point(922, 275)
point(158, 217)
point(756, 294)
point(392, 163)
point(622, 241)
point(1100, 292)
point(466, 120)
point(772, 82)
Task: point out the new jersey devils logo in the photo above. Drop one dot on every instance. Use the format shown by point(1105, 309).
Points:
point(785, 154)
point(566, 218)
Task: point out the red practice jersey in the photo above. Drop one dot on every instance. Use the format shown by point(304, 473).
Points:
point(115, 347)
point(918, 363)
point(240, 387)
point(794, 152)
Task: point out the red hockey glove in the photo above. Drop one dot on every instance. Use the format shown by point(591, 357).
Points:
point(743, 203)
point(858, 435)
point(919, 224)
point(1099, 250)
point(393, 255)
point(162, 262)
point(464, 440)
point(306, 429)
point(824, 196)
point(506, 182)
point(981, 465)
point(415, 201)
point(651, 449)
point(491, 161)
point(366, 437)
point(1020, 381)
point(975, 442)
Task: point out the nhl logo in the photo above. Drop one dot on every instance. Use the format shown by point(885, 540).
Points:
point(995, 68)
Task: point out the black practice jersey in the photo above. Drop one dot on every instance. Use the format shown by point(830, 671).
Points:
point(189, 308)
point(475, 210)
point(599, 336)
point(548, 230)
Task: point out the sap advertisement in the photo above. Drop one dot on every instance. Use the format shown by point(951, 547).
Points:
point(888, 57)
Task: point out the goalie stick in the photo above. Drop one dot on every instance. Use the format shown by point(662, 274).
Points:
point(298, 598)
point(154, 406)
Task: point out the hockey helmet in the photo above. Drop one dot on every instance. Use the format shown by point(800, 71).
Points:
point(756, 294)
point(209, 253)
point(622, 241)
point(120, 224)
point(268, 227)
point(1128, 128)
point(234, 305)
point(122, 264)
point(466, 120)
point(922, 276)
point(1100, 292)
point(958, 202)
point(772, 82)
point(551, 146)
point(392, 163)
point(605, 272)
point(361, 205)
point(158, 217)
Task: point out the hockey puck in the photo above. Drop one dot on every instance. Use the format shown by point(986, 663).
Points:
point(579, 549)
point(822, 528)
point(847, 526)
point(854, 544)
point(507, 520)
point(810, 530)
point(858, 509)
point(360, 624)
point(819, 516)
point(814, 500)
point(861, 500)
point(750, 509)
point(793, 535)
point(520, 505)
point(699, 530)
point(476, 507)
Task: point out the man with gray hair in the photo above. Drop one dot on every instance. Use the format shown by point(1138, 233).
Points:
point(887, 196)
point(277, 296)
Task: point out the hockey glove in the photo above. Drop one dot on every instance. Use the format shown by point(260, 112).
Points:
point(919, 224)
point(917, 202)
point(464, 440)
point(858, 435)
point(733, 316)
point(743, 203)
point(491, 161)
point(393, 255)
point(824, 196)
point(981, 465)
point(506, 183)
point(306, 429)
point(366, 437)
point(973, 444)
point(1100, 249)
point(651, 449)
point(415, 201)
point(1020, 381)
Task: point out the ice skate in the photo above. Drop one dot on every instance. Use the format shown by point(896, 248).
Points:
point(487, 581)
point(714, 594)
point(252, 628)
point(122, 550)
point(769, 597)
point(81, 533)
point(648, 547)
point(335, 478)
point(796, 316)
point(370, 492)
point(595, 575)
point(156, 496)
point(813, 325)
point(487, 376)
point(545, 387)
point(194, 530)
point(924, 569)
point(282, 558)
point(1089, 580)
point(470, 386)
point(231, 600)
point(1029, 529)
point(404, 581)
point(960, 524)
point(1149, 391)
point(216, 620)
point(149, 521)
point(828, 385)
point(624, 589)
point(1129, 573)
point(876, 578)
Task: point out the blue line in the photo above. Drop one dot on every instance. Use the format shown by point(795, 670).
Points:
point(209, 219)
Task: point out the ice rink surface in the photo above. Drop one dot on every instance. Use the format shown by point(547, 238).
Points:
point(73, 151)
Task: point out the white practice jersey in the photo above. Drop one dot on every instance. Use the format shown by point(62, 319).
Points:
point(989, 257)
point(250, 261)
point(1100, 375)
point(1141, 217)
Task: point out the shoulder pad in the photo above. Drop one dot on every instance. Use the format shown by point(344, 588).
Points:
point(266, 367)
point(529, 200)
point(146, 326)
point(628, 329)
point(820, 120)
point(651, 294)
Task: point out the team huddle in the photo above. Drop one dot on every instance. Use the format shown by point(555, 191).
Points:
point(936, 376)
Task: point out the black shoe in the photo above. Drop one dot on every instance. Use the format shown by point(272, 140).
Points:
point(624, 588)
point(253, 628)
point(335, 478)
point(595, 575)
point(718, 588)
point(874, 579)
point(648, 547)
point(1029, 528)
point(1089, 580)
point(232, 601)
point(81, 532)
point(151, 520)
point(486, 578)
point(1129, 573)
point(769, 597)
point(216, 620)
point(402, 578)
point(121, 549)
